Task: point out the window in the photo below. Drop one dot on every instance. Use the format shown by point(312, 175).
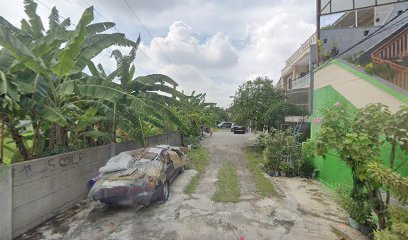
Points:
point(325, 40)
point(377, 20)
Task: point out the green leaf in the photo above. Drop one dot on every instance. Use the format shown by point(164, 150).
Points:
point(20, 51)
point(156, 78)
point(7, 88)
point(66, 57)
point(53, 114)
point(92, 69)
point(104, 41)
point(37, 27)
point(99, 27)
point(53, 19)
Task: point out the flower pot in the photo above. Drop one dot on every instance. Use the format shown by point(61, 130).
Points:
point(365, 229)
point(354, 224)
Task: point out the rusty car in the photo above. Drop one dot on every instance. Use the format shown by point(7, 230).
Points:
point(138, 177)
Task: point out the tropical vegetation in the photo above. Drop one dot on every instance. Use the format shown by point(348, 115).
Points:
point(54, 98)
point(282, 154)
point(260, 105)
point(357, 137)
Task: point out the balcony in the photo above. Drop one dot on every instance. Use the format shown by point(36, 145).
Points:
point(394, 52)
point(304, 49)
point(303, 82)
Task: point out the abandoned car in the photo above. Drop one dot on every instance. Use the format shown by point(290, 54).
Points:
point(138, 177)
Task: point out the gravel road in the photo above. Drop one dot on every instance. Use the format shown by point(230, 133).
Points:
point(304, 210)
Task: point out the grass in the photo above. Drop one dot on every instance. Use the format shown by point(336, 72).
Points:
point(227, 184)
point(198, 160)
point(264, 186)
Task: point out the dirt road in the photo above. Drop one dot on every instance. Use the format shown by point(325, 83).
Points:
point(305, 209)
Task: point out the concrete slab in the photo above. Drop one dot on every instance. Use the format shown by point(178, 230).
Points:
point(5, 203)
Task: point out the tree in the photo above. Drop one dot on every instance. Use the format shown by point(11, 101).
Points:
point(43, 84)
point(259, 104)
point(358, 138)
point(194, 112)
point(153, 107)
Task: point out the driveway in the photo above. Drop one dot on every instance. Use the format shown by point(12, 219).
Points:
point(304, 210)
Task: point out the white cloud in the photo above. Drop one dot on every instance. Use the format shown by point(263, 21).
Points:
point(182, 48)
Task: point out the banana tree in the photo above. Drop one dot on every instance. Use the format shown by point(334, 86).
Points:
point(53, 57)
point(194, 111)
point(139, 100)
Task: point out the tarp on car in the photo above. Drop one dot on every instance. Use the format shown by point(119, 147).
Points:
point(175, 158)
point(119, 162)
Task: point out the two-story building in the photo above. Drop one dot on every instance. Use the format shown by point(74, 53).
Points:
point(371, 25)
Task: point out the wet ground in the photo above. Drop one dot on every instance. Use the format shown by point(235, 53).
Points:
point(305, 209)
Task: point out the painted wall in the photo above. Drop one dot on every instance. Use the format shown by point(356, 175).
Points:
point(332, 170)
point(43, 188)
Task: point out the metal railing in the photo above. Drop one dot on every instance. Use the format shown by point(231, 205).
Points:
point(302, 82)
point(303, 48)
point(394, 49)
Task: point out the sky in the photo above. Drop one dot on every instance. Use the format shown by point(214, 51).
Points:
point(210, 46)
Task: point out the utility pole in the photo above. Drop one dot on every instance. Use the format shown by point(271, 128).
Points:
point(318, 9)
point(312, 63)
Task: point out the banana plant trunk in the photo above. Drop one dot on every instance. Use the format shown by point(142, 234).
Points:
point(17, 137)
point(58, 138)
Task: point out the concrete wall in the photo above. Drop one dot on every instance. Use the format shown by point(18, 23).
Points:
point(42, 188)
point(5, 202)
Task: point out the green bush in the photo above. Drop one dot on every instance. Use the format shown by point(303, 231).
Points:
point(357, 208)
point(306, 167)
point(399, 225)
point(281, 152)
point(380, 70)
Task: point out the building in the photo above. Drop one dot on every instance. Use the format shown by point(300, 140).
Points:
point(342, 36)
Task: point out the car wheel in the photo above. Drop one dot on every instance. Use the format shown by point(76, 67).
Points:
point(165, 191)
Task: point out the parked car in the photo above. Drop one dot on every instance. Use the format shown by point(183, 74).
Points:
point(233, 126)
point(225, 125)
point(138, 177)
point(239, 129)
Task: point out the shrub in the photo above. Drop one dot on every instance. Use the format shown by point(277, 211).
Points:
point(399, 225)
point(381, 70)
point(281, 152)
point(357, 207)
point(306, 167)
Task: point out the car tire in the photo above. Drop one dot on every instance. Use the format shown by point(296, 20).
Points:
point(165, 191)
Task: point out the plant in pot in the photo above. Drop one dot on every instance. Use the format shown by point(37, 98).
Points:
point(285, 169)
point(358, 209)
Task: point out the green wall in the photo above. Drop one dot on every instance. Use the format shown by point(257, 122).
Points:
point(332, 170)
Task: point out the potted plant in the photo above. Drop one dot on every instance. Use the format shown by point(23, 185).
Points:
point(284, 169)
point(358, 210)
